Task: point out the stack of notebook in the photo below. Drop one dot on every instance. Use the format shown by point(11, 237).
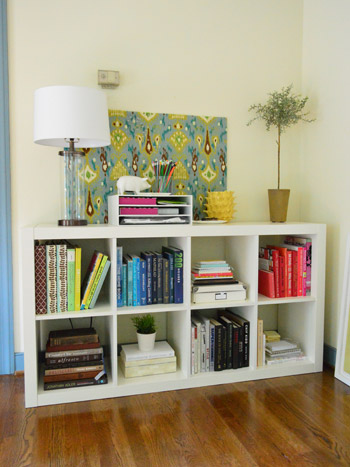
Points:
point(134, 362)
point(282, 351)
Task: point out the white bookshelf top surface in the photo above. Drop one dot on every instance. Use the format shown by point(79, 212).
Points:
point(52, 231)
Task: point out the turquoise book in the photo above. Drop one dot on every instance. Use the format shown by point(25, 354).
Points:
point(124, 283)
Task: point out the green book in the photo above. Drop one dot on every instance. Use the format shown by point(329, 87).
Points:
point(71, 278)
point(96, 281)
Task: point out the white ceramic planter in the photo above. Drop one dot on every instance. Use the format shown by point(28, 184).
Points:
point(146, 341)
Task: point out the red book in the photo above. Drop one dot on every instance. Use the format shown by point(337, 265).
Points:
point(294, 273)
point(283, 271)
point(276, 272)
point(299, 250)
point(289, 274)
point(267, 283)
point(282, 276)
point(59, 348)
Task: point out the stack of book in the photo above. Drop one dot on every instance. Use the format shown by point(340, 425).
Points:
point(150, 278)
point(285, 270)
point(58, 278)
point(213, 281)
point(219, 344)
point(283, 351)
point(73, 358)
point(160, 360)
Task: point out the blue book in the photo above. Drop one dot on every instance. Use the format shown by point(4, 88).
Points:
point(128, 260)
point(136, 283)
point(100, 283)
point(119, 275)
point(124, 283)
point(170, 257)
point(143, 282)
point(146, 255)
point(178, 272)
point(159, 277)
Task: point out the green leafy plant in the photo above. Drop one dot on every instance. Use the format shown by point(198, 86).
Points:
point(282, 110)
point(144, 324)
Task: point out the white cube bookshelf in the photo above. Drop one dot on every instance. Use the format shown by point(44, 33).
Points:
point(238, 243)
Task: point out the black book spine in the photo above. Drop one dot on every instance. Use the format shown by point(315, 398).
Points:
point(69, 360)
point(229, 345)
point(235, 345)
point(218, 346)
point(240, 346)
point(246, 344)
point(224, 348)
point(75, 383)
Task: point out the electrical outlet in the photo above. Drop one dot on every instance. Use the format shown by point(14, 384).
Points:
point(108, 78)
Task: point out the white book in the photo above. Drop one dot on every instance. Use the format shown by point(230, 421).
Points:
point(219, 297)
point(201, 355)
point(161, 349)
point(281, 345)
point(285, 360)
point(205, 340)
point(218, 288)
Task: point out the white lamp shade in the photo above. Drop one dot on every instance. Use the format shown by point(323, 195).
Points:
point(65, 112)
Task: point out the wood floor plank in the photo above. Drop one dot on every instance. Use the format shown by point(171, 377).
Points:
point(297, 420)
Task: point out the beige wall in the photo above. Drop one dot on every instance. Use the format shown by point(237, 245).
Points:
point(325, 157)
point(185, 56)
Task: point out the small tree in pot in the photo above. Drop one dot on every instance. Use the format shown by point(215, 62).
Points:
point(146, 331)
point(282, 110)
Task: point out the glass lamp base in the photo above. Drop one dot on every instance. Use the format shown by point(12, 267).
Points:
point(70, 222)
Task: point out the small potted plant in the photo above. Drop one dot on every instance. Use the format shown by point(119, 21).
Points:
point(146, 331)
point(282, 110)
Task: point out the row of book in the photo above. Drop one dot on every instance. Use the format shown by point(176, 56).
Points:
point(219, 344)
point(160, 360)
point(285, 270)
point(150, 278)
point(214, 281)
point(73, 358)
point(58, 278)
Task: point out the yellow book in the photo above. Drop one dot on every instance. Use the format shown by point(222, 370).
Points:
point(96, 281)
point(90, 277)
point(77, 278)
point(260, 357)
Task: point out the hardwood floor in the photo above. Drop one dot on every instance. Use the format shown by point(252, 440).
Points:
point(297, 420)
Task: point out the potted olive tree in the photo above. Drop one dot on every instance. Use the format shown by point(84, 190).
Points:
point(282, 110)
point(146, 331)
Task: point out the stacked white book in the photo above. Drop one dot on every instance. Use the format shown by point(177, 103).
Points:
point(160, 360)
point(283, 351)
point(214, 281)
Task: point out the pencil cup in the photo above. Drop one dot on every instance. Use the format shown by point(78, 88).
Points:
point(163, 184)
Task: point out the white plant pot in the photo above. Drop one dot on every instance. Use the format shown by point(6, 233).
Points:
point(146, 341)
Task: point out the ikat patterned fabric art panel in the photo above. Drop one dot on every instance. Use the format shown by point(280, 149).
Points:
point(197, 144)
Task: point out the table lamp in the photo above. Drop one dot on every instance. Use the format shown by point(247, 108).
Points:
point(71, 117)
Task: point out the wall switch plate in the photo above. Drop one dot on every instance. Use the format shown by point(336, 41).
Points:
point(108, 78)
